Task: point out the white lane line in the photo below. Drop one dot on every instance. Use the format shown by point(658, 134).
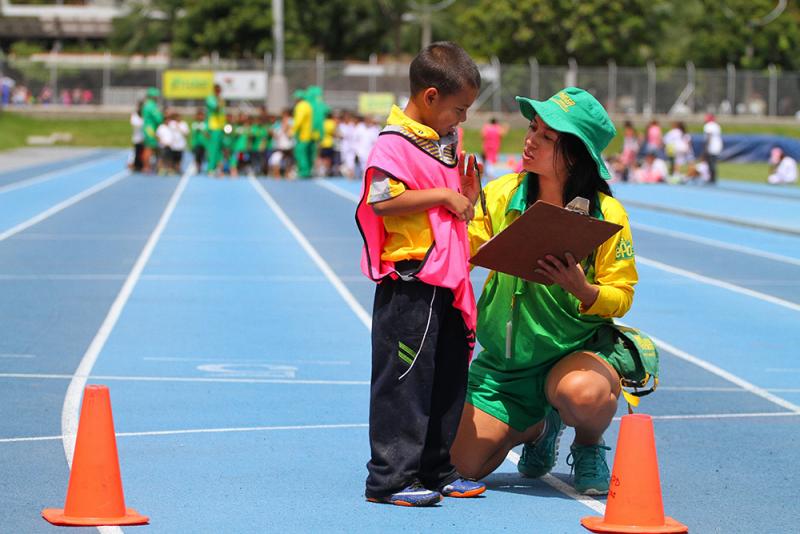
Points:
point(722, 373)
point(85, 277)
point(657, 264)
point(564, 488)
point(203, 431)
point(348, 297)
point(240, 360)
point(700, 416)
point(336, 190)
point(716, 243)
point(221, 380)
point(64, 204)
point(718, 283)
point(712, 217)
point(70, 410)
point(52, 174)
point(513, 456)
point(232, 278)
point(169, 277)
point(16, 355)
point(723, 389)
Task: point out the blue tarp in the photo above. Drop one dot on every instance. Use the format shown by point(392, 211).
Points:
point(749, 148)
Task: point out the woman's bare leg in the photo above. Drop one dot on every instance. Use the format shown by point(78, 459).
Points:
point(584, 389)
point(483, 442)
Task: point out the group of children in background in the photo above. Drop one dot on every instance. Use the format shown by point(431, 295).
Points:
point(255, 144)
point(667, 158)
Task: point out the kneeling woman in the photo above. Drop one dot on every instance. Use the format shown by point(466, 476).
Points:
point(551, 353)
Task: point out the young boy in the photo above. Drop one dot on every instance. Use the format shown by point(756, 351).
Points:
point(412, 216)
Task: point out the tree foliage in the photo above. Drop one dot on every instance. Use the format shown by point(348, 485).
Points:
point(630, 32)
point(552, 31)
point(735, 32)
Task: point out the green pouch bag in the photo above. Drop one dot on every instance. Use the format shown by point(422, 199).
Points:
point(639, 370)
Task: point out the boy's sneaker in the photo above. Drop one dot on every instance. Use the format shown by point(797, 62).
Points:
point(589, 465)
point(412, 495)
point(539, 457)
point(463, 487)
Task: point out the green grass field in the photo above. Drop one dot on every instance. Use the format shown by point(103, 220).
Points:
point(15, 129)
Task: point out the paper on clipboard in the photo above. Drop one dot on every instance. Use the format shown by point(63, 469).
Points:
point(543, 229)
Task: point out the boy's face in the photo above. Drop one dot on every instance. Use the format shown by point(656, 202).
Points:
point(444, 113)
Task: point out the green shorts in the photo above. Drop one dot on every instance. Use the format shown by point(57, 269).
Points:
point(517, 397)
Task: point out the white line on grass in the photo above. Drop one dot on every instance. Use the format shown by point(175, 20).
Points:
point(64, 204)
point(718, 283)
point(348, 297)
point(52, 174)
point(222, 380)
point(718, 244)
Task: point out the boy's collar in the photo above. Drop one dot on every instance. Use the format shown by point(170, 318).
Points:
point(398, 118)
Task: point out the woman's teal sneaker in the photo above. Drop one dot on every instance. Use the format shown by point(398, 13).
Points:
point(539, 457)
point(589, 466)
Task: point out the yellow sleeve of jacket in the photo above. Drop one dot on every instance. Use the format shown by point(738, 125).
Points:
point(498, 193)
point(301, 126)
point(615, 265)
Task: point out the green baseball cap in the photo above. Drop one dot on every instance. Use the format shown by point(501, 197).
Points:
point(152, 91)
point(574, 111)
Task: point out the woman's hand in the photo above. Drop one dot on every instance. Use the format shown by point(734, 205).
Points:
point(570, 276)
point(470, 173)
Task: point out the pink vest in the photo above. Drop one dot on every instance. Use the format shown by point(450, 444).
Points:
point(447, 262)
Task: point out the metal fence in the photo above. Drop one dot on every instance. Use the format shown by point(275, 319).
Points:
point(639, 90)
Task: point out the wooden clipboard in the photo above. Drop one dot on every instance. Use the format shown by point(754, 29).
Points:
point(543, 229)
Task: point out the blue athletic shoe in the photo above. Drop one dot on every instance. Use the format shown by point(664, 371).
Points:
point(412, 495)
point(589, 465)
point(463, 487)
point(539, 457)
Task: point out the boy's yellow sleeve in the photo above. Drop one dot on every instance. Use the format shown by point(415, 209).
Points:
point(383, 188)
point(615, 266)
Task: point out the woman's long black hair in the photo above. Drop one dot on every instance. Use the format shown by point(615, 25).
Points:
point(583, 178)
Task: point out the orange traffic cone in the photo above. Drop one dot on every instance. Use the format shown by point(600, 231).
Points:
point(634, 497)
point(94, 495)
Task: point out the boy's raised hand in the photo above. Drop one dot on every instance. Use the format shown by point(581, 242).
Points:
point(458, 205)
point(470, 173)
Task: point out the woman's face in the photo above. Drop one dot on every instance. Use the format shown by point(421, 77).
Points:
point(539, 155)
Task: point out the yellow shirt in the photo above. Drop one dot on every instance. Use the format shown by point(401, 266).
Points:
point(614, 266)
point(408, 237)
point(301, 126)
point(329, 128)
